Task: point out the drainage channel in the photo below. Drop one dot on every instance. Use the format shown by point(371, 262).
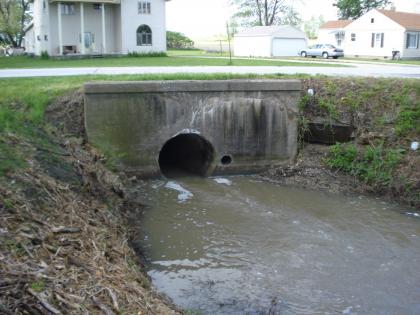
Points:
point(241, 245)
point(187, 154)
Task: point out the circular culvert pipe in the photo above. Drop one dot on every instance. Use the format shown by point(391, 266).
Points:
point(187, 154)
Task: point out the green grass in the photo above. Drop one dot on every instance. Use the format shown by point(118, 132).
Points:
point(408, 62)
point(195, 52)
point(374, 164)
point(172, 60)
point(23, 102)
point(378, 60)
point(361, 60)
point(37, 286)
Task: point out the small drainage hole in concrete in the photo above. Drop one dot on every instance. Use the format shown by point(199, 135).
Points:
point(186, 154)
point(226, 159)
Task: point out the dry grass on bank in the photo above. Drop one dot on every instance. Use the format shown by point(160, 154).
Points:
point(64, 245)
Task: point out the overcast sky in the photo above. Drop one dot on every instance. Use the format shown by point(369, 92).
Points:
point(204, 18)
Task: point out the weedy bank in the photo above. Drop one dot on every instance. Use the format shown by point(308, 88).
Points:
point(384, 115)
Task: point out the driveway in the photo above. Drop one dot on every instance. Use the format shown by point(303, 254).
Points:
point(365, 70)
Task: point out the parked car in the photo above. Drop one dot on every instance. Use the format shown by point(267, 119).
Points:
point(322, 50)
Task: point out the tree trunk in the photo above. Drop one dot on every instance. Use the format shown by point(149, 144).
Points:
point(274, 12)
point(12, 40)
point(265, 12)
point(259, 12)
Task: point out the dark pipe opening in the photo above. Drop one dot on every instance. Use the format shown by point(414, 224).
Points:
point(226, 159)
point(185, 155)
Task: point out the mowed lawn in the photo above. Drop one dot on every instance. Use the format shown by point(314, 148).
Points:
point(16, 62)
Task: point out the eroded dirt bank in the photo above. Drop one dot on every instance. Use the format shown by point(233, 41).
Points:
point(64, 241)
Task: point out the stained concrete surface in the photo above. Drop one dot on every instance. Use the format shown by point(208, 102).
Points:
point(253, 122)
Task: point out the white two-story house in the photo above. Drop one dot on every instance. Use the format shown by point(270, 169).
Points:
point(62, 27)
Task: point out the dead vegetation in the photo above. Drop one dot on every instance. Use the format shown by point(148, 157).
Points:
point(64, 242)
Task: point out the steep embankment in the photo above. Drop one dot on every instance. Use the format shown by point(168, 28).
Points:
point(64, 241)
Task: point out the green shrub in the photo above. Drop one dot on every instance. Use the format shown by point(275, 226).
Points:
point(342, 156)
point(373, 165)
point(10, 157)
point(37, 286)
point(45, 55)
point(136, 54)
point(328, 107)
point(176, 40)
point(408, 120)
point(377, 165)
point(304, 101)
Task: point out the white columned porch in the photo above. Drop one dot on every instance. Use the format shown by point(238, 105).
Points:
point(82, 28)
point(60, 30)
point(103, 29)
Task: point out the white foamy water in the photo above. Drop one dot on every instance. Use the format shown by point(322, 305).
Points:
point(183, 195)
point(223, 181)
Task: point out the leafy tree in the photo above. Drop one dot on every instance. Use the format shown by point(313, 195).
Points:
point(260, 12)
point(13, 18)
point(178, 40)
point(291, 17)
point(352, 9)
point(311, 27)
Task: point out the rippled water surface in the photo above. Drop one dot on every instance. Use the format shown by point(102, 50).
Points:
point(241, 245)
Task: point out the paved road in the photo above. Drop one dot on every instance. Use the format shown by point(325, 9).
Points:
point(366, 70)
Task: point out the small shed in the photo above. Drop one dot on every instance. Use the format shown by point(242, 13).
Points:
point(269, 41)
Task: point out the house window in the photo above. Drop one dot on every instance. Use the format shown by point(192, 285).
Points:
point(339, 37)
point(89, 39)
point(372, 20)
point(144, 7)
point(378, 40)
point(67, 9)
point(144, 36)
point(46, 37)
point(412, 40)
point(44, 5)
point(97, 6)
point(353, 37)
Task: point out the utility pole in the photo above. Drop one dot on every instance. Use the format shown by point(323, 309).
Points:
point(230, 51)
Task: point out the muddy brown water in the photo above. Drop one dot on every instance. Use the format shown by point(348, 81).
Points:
point(243, 245)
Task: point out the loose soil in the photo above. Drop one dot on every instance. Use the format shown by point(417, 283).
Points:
point(64, 238)
point(310, 172)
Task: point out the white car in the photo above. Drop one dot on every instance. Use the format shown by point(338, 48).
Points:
point(322, 50)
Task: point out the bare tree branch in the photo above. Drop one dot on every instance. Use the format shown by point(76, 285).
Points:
point(261, 12)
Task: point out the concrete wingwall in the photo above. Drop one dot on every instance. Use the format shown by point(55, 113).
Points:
point(254, 122)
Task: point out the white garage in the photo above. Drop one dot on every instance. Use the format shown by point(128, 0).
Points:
point(269, 41)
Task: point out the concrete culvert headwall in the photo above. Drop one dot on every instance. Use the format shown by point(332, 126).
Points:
point(186, 154)
point(240, 126)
